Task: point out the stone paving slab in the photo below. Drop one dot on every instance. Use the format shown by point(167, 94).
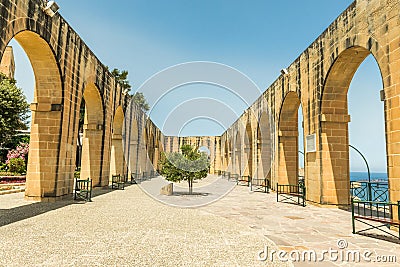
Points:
point(122, 228)
point(205, 191)
point(296, 228)
point(128, 228)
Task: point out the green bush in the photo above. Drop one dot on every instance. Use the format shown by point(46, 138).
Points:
point(17, 165)
point(3, 167)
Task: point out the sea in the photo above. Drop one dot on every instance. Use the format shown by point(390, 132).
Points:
point(363, 176)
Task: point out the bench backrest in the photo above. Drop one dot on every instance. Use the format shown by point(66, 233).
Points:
point(290, 188)
point(81, 184)
point(374, 209)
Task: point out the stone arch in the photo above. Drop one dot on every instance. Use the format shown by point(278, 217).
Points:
point(150, 148)
point(248, 150)
point(264, 146)
point(157, 152)
point(93, 130)
point(144, 151)
point(133, 146)
point(288, 140)
point(117, 160)
point(226, 154)
point(229, 153)
point(45, 178)
point(334, 119)
point(238, 153)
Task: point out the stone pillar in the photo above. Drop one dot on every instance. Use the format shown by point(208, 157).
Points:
point(133, 157)
point(246, 160)
point(287, 157)
point(392, 114)
point(229, 161)
point(335, 176)
point(259, 161)
point(237, 161)
point(91, 153)
point(143, 158)
point(44, 156)
point(217, 156)
point(156, 158)
point(117, 155)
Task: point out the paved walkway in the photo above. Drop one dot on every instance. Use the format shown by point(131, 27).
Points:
point(300, 229)
point(121, 228)
point(128, 228)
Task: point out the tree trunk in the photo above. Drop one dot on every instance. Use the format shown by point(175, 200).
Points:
point(190, 186)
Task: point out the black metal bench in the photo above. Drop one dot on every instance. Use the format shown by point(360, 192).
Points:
point(234, 177)
point(260, 184)
point(83, 189)
point(117, 182)
point(382, 213)
point(226, 175)
point(291, 193)
point(134, 177)
point(243, 180)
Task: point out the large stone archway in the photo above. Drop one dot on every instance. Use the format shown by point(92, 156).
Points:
point(288, 140)
point(63, 66)
point(117, 159)
point(93, 131)
point(264, 146)
point(248, 150)
point(238, 154)
point(66, 70)
point(334, 135)
point(44, 176)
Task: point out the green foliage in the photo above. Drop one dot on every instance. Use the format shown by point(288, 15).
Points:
point(17, 165)
point(186, 166)
point(13, 109)
point(140, 100)
point(122, 79)
point(3, 167)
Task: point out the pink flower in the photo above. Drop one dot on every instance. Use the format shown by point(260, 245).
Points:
point(21, 151)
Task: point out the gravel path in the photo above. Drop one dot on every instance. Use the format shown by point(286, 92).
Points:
point(122, 228)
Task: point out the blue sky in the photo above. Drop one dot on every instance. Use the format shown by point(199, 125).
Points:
point(257, 38)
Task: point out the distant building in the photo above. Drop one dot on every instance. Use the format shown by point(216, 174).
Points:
point(7, 65)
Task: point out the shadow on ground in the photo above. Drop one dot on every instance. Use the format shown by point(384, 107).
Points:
point(192, 194)
point(8, 216)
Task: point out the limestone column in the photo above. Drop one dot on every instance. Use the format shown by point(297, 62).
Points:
point(117, 155)
point(42, 169)
point(91, 153)
point(287, 157)
point(335, 180)
point(133, 157)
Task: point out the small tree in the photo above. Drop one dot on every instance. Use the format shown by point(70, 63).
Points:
point(138, 97)
point(140, 100)
point(186, 166)
point(122, 78)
